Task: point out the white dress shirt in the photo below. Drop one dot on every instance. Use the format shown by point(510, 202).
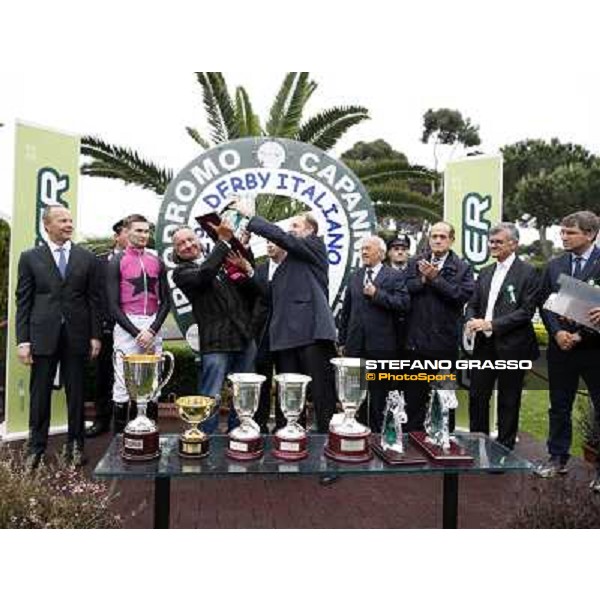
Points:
point(375, 270)
point(502, 269)
point(54, 248)
point(273, 266)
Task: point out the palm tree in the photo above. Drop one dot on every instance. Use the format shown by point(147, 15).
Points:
point(231, 117)
point(399, 190)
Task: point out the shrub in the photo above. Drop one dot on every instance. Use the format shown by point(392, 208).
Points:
point(559, 504)
point(185, 377)
point(588, 425)
point(52, 497)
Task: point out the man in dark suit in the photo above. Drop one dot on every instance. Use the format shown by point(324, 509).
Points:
point(264, 274)
point(221, 310)
point(573, 350)
point(440, 284)
point(369, 323)
point(104, 365)
point(302, 330)
point(57, 322)
point(500, 315)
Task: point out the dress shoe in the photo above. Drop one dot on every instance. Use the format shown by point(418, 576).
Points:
point(328, 479)
point(97, 428)
point(79, 458)
point(595, 485)
point(551, 468)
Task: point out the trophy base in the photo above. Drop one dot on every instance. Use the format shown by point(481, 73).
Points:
point(348, 447)
point(194, 449)
point(140, 447)
point(245, 450)
point(455, 455)
point(391, 457)
point(290, 449)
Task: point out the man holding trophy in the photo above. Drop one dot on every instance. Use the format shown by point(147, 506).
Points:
point(302, 332)
point(221, 309)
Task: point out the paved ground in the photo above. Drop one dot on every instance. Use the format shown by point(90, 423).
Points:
point(485, 501)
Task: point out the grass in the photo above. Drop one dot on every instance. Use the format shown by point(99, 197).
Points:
point(534, 416)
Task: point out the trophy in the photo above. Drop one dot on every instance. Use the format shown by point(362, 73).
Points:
point(435, 441)
point(291, 442)
point(141, 378)
point(245, 442)
point(238, 223)
point(389, 446)
point(194, 410)
point(349, 440)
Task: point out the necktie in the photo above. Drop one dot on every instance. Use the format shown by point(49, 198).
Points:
point(369, 275)
point(62, 262)
point(577, 269)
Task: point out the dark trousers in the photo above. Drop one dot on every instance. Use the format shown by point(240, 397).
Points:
point(313, 360)
point(265, 363)
point(371, 411)
point(105, 376)
point(43, 372)
point(510, 388)
point(564, 371)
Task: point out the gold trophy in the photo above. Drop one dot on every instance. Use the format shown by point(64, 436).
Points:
point(194, 410)
point(141, 375)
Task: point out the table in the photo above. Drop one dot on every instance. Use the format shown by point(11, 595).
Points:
point(489, 456)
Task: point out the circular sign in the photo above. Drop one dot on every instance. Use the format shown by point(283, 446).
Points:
point(280, 167)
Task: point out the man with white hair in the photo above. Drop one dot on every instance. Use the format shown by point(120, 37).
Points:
point(370, 324)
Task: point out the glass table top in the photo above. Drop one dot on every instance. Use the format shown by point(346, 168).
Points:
point(488, 455)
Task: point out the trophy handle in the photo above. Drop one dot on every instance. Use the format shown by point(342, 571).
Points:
point(166, 380)
point(119, 372)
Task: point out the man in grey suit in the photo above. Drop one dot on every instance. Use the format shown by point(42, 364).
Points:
point(302, 332)
point(57, 322)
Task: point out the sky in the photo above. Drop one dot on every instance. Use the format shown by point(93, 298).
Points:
point(534, 81)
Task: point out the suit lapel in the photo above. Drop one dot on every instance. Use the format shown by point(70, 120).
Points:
point(591, 266)
point(72, 258)
point(49, 260)
point(486, 283)
point(511, 279)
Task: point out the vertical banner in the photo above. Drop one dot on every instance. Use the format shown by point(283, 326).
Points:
point(473, 204)
point(46, 173)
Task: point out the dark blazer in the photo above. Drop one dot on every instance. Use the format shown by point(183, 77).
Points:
point(436, 313)
point(44, 300)
point(513, 333)
point(300, 293)
point(555, 268)
point(220, 306)
point(371, 327)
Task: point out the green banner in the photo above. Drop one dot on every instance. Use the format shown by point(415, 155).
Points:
point(46, 173)
point(473, 204)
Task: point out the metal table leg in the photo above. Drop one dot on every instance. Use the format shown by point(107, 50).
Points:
point(450, 501)
point(162, 502)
